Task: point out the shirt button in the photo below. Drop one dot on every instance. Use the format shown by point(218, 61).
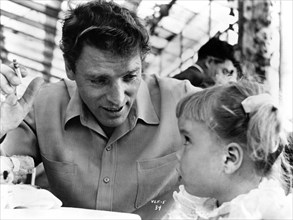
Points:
point(106, 180)
point(108, 148)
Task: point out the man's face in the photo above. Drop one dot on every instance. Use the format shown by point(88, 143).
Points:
point(223, 72)
point(108, 84)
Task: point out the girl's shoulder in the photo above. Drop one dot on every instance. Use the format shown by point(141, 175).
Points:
point(268, 201)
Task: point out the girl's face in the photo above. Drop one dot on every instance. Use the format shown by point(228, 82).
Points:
point(200, 159)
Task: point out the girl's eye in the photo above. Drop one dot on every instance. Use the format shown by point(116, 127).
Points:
point(186, 140)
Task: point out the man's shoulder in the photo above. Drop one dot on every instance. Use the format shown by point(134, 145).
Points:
point(170, 85)
point(55, 91)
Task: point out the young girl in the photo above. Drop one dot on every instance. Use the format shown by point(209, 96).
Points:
point(233, 164)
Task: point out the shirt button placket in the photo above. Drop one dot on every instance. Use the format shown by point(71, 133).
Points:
point(107, 173)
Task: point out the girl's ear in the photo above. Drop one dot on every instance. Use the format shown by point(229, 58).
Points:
point(70, 74)
point(233, 157)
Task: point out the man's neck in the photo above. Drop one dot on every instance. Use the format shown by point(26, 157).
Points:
point(108, 130)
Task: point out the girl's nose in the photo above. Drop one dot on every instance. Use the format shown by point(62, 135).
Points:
point(179, 154)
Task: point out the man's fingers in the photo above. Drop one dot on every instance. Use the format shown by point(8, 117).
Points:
point(11, 99)
point(30, 93)
point(6, 88)
point(10, 75)
point(23, 71)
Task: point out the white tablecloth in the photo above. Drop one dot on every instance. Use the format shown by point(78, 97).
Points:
point(28, 202)
point(64, 213)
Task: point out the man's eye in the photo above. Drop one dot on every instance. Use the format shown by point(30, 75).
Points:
point(100, 81)
point(231, 73)
point(227, 72)
point(129, 77)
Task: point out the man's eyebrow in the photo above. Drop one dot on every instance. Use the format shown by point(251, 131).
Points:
point(105, 75)
point(131, 71)
point(93, 75)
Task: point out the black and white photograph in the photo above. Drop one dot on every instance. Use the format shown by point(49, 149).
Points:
point(146, 109)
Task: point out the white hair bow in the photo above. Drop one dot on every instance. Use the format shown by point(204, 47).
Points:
point(252, 103)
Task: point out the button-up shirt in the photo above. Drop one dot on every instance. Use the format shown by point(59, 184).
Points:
point(85, 168)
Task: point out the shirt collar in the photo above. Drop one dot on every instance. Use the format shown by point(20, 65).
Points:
point(199, 68)
point(143, 106)
point(74, 107)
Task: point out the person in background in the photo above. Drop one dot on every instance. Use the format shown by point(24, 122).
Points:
point(233, 165)
point(102, 134)
point(215, 65)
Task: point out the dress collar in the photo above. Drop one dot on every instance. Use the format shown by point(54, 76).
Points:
point(267, 201)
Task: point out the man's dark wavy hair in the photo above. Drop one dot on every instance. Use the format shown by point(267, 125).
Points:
point(218, 49)
point(104, 25)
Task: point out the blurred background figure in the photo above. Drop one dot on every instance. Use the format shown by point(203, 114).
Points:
point(215, 65)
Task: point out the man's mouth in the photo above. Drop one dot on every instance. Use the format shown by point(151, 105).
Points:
point(114, 110)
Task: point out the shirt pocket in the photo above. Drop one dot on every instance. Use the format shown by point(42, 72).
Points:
point(155, 177)
point(61, 177)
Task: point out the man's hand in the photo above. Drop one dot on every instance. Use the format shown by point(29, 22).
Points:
point(13, 111)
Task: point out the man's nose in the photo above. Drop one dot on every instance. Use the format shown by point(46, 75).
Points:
point(116, 94)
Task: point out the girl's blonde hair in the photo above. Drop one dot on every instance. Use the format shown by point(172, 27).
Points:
point(260, 133)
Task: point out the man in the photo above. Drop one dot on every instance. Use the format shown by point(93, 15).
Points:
point(108, 141)
point(215, 65)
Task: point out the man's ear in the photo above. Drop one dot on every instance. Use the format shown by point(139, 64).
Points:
point(70, 74)
point(233, 157)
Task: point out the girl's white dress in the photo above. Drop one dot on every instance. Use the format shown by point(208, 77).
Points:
point(268, 201)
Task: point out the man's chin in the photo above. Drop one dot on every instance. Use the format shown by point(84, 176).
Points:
point(113, 123)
